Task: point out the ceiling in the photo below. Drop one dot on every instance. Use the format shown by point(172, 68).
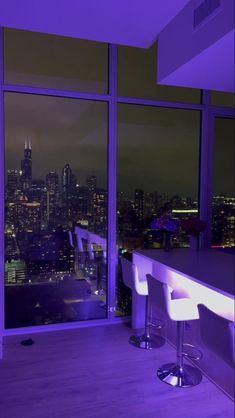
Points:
point(212, 69)
point(202, 55)
point(127, 22)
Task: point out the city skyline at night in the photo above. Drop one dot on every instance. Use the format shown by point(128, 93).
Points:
point(155, 146)
point(41, 216)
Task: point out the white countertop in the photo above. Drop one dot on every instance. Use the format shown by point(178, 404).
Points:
point(212, 268)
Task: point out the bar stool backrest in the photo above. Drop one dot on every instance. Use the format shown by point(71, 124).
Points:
point(159, 295)
point(129, 274)
point(217, 334)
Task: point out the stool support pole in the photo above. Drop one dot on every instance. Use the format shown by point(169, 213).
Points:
point(147, 321)
point(179, 374)
point(180, 340)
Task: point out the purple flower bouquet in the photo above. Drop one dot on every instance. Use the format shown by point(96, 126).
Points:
point(169, 226)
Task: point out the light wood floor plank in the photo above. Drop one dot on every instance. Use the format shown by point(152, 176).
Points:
point(95, 373)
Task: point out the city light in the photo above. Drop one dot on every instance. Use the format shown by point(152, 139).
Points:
point(56, 234)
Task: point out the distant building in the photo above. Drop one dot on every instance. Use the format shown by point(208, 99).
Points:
point(37, 190)
point(66, 178)
point(69, 182)
point(12, 183)
point(139, 203)
point(52, 190)
point(52, 182)
point(26, 167)
point(91, 182)
point(100, 211)
point(223, 230)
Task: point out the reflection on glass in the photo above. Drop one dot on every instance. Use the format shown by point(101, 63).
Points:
point(223, 231)
point(219, 98)
point(55, 210)
point(138, 77)
point(158, 155)
point(42, 60)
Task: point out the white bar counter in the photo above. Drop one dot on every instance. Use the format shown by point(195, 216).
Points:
point(208, 277)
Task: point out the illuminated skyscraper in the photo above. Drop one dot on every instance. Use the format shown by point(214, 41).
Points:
point(52, 187)
point(139, 203)
point(66, 178)
point(69, 182)
point(52, 181)
point(26, 167)
point(12, 182)
point(91, 185)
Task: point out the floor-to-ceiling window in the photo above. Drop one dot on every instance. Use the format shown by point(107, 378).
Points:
point(157, 159)
point(66, 101)
point(55, 180)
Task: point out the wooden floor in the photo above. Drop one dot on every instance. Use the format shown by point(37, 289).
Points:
point(95, 373)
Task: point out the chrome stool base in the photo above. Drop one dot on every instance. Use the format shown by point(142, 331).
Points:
point(146, 343)
point(98, 292)
point(183, 377)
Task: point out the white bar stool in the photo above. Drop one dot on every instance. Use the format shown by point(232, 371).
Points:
point(218, 334)
point(131, 279)
point(179, 310)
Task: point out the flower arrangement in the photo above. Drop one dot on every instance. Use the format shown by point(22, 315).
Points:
point(193, 226)
point(168, 226)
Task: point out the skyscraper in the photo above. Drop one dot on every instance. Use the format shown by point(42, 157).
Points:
point(139, 203)
point(69, 181)
point(26, 167)
point(66, 178)
point(52, 182)
point(52, 186)
point(91, 185)
point(12, 183)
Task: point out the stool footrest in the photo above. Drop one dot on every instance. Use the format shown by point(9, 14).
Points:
point(145, 342)
point(198, 352)
point(157, 323)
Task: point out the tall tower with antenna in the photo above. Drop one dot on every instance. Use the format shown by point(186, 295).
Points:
point(26, 167)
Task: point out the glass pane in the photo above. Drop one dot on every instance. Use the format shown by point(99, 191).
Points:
point(138, 74)
point(219, 98)
point(223, 232)
point(158, 157)
point(49, 61)
point(55, 210)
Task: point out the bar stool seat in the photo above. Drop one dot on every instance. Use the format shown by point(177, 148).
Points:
point(179, 310)
point(132, 280)
point(141, 287)
point(183, 309)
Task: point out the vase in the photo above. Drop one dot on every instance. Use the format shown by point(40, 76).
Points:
point(194, 242)
point(167, 244)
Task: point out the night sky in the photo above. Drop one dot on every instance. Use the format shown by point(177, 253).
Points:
point(158, 148)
